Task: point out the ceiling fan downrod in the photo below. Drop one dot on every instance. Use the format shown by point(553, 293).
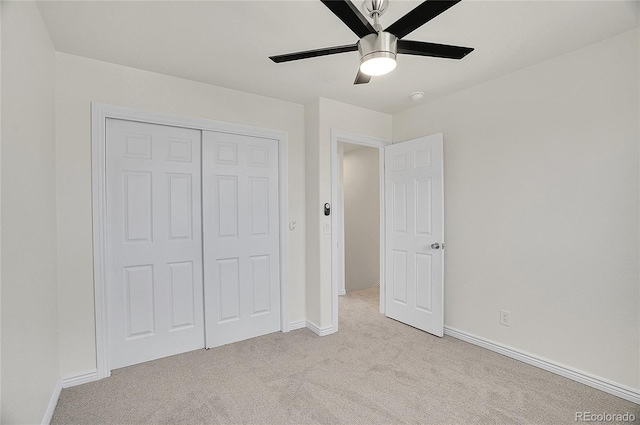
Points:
point(375, 9)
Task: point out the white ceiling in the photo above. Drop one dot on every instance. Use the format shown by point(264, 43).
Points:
point(227, 43)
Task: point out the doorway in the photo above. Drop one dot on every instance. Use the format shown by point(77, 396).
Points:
point(338, 274)
point(359, 192)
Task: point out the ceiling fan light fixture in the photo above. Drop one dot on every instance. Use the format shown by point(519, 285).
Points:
point(378, 53)
point(380, 65)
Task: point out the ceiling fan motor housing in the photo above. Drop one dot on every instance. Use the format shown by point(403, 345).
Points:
point(380, 45)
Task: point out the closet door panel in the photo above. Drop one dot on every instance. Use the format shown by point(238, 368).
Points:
point(241, 237)
point(154, 246)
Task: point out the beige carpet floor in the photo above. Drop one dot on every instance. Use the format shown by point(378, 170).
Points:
point(374, 371)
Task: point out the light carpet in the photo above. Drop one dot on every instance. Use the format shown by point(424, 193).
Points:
point(373, 371)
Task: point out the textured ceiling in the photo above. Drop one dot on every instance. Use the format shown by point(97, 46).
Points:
point(227, 43)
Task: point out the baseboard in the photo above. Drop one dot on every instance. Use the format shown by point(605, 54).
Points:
point(342, 292)
point(596, 382)
point(53, 402)
point(313, 328)
point(320, 331)
point(80, 378)
point(297, 325)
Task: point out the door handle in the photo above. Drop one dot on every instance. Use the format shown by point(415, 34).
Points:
point(435, 245)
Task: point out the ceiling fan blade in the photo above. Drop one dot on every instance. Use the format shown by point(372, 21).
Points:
point(362, 78)
point(351, 16)
point(419, 16)
point(422, 48)
point(314, 53)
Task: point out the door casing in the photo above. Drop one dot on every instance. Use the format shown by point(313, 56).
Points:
point(99, 114)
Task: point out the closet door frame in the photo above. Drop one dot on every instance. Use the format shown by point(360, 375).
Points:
point(100, 112)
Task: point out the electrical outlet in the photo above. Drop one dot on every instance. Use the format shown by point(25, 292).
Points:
point(505, 317)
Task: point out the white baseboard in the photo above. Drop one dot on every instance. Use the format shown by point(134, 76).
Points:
point(596, 382)
point(67, 382)
point(297, 325)
point(313, 328)
point(320, 331)
point(80, 378)
point(53, 402)
point(342, 292)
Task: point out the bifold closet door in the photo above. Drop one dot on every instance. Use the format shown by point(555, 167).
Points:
point(240, 237)
point(154, 247)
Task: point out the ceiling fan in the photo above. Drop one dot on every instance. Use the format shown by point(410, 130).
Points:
point(378, 48)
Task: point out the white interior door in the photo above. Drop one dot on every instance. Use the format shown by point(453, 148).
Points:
point(241, 237)
point(414, 233)
point(154, 247)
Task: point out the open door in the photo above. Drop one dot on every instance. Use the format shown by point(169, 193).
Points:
point(414, 230)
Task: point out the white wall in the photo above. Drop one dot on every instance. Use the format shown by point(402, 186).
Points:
point(0, 211)
point(361, 185)
point(320, 117)
point(541, 207)
point(29, 368)
point(312, 202)
point(80, 81)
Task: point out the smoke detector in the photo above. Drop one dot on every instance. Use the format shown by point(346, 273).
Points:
point(417, 96)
